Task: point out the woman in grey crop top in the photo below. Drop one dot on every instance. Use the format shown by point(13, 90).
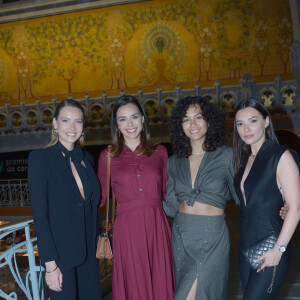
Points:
point(200, 182)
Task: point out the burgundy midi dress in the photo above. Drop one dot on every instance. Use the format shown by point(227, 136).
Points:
point(143, 262)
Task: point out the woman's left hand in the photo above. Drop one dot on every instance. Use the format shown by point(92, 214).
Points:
point(283, 211)
point(271, 258)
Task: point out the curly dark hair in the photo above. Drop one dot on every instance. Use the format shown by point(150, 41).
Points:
point(216, 135)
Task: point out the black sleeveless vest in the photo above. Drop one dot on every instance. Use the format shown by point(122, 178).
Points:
point(260, 215)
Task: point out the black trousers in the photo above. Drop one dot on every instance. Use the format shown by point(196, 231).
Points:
point(82, 282)
point(263, 285)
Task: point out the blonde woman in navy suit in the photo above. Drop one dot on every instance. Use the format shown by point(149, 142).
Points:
point(65, 194)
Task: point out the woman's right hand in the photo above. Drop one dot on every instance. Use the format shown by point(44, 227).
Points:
point(53, 277)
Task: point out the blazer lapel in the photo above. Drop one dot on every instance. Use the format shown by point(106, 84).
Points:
point(253, 173)
point(65, 169)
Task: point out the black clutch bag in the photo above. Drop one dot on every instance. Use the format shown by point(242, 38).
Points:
point(258, 249)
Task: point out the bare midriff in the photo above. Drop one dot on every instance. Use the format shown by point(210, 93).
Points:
point(200, 209)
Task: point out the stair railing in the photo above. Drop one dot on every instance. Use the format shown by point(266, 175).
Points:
point(32, 286)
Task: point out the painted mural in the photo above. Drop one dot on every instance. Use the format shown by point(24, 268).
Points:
point(148, 44)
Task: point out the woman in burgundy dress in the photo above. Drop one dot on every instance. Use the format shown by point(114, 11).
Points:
point(143, 263)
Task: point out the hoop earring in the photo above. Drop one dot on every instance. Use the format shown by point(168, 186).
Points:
point(55, 130)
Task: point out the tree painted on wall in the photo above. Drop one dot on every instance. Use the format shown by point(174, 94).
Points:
point(262, 43)
point(17, 50)
point(94, 43)
point(116, 45)
point(24, 66)
point(65, 45)
point(6, 45)
point(284, 41)
point(232, 19)
point(204, 41)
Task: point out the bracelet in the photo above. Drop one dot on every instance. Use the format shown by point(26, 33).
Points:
point(52, 270)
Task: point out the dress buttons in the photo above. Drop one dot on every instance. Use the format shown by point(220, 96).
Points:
point(140, 190)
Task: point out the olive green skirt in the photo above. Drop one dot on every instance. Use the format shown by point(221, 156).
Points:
point(201, 249)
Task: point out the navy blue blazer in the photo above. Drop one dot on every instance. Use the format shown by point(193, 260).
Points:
point(58, 208)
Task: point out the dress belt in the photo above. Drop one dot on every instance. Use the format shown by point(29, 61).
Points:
point(138, 204)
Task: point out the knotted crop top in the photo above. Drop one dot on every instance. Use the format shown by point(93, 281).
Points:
point(213, 184)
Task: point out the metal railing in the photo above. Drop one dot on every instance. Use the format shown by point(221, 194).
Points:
point(17, 247)
point(14, 193)
point(31, 285)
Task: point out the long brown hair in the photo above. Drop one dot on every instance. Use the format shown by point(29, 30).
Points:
point(240, 148)
point(118, 139)
point(59, 107)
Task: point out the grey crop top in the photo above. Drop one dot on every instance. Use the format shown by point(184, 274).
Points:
point(213, 184)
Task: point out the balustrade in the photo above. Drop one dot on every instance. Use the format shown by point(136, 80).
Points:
point(14, 193)
point(20, 271)
point(279, 96)
point(21, 248)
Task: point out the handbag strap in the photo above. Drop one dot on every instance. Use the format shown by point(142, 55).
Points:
point(108, 191)
point(113, 210)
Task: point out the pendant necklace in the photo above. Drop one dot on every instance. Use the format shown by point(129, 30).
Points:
point(252, 157)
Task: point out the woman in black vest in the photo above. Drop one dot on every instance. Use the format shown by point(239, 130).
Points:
point(65, 193)
point(266, 175)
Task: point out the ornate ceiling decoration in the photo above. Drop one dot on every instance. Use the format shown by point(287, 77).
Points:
point(22, 10)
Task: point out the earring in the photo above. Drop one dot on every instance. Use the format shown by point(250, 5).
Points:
point(82, 133)
point(119, 133)
point(143, 127)
point(55, 130)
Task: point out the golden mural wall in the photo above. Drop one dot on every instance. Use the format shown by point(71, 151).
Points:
point(144, 45)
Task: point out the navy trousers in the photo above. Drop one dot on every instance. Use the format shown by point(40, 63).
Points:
point(263, 285)
point(82, 282)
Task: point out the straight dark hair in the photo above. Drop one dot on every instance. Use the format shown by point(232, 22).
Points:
point(118, 139)
point(59, 107)
point(240, 148)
